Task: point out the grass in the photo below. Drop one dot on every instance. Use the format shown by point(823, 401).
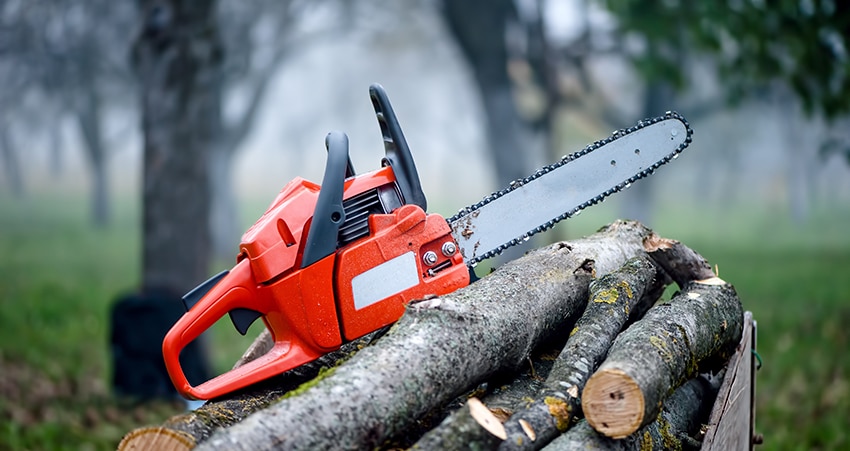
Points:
point(59, 277)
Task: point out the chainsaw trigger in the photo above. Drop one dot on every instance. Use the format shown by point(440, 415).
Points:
point(242, 318)
point(191, 298)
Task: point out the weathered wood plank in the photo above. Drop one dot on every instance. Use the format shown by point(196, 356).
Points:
point(731, 421)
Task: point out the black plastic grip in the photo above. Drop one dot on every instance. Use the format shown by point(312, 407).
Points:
point(397, 152)
point(329, 214)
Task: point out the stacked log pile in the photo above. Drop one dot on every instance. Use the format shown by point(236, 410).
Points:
point(567, 347)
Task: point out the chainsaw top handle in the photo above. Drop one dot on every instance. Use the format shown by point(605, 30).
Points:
point(322, 238)
point(395, 147)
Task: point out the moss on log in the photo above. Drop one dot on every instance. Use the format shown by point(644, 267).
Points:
point(612, 299)
point(674, 428)
point(440, 348)
point(699, 326)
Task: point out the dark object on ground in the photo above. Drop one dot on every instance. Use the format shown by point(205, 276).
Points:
point(138, 323)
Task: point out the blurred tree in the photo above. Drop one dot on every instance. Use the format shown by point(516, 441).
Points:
point(480, 29)
point(177, 56)
point(257, 37)
point(9, 156)
point(526, 76)
point(758, 50)
point(750, 44)
point(228, 54)
point(800, 42)
point(57, 64)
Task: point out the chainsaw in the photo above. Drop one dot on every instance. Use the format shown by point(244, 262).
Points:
point(326, 264)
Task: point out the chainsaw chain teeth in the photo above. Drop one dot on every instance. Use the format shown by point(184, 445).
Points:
point(564, 160)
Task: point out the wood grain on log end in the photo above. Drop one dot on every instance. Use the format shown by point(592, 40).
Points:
point(613, 403)
point(158, 438)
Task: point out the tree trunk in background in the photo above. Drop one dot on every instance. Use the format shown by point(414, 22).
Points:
point(225, 227)
point(225, 224)
point(478, 26)
point(177, 57)
point(797, 133)
point(56, 148)
point(11, 163)
point(89, 121)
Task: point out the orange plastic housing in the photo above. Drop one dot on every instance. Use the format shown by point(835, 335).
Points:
point(310, 311)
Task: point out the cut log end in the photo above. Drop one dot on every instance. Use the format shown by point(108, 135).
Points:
point(485, 418)
point(717, 281)
point(158, 438)
point(613, 403)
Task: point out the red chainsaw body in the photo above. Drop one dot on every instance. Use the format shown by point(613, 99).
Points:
point(312, 310)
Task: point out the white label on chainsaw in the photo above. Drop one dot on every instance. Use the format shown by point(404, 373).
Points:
point(385, 280)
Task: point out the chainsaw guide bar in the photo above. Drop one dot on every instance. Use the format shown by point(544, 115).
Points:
point(563, 189)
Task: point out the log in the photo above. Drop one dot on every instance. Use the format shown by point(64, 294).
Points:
point(700, 326)
point(477, 423)
point(185, 431)
point(680, 262)
point(472, 427)
point(261, 345)
point(440, 348)
point(612, 299)
point(674, 428)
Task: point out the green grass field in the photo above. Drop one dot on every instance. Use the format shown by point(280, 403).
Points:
point(58, 278)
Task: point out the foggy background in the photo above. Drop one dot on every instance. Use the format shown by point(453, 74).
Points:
point(103, 172)
point(764, 153)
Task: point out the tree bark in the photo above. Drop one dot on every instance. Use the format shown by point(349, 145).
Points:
point(612, 299)
point(461, 430)
point(680, 262)
point(185, 431)
point(439, 349)
point(472, 427)
point(655, 355)
point(177, 57)
point(674, 428)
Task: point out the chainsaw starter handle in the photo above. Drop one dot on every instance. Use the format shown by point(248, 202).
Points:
point(396, 150)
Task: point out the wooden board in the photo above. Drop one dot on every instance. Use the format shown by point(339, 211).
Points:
point(731, 423)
